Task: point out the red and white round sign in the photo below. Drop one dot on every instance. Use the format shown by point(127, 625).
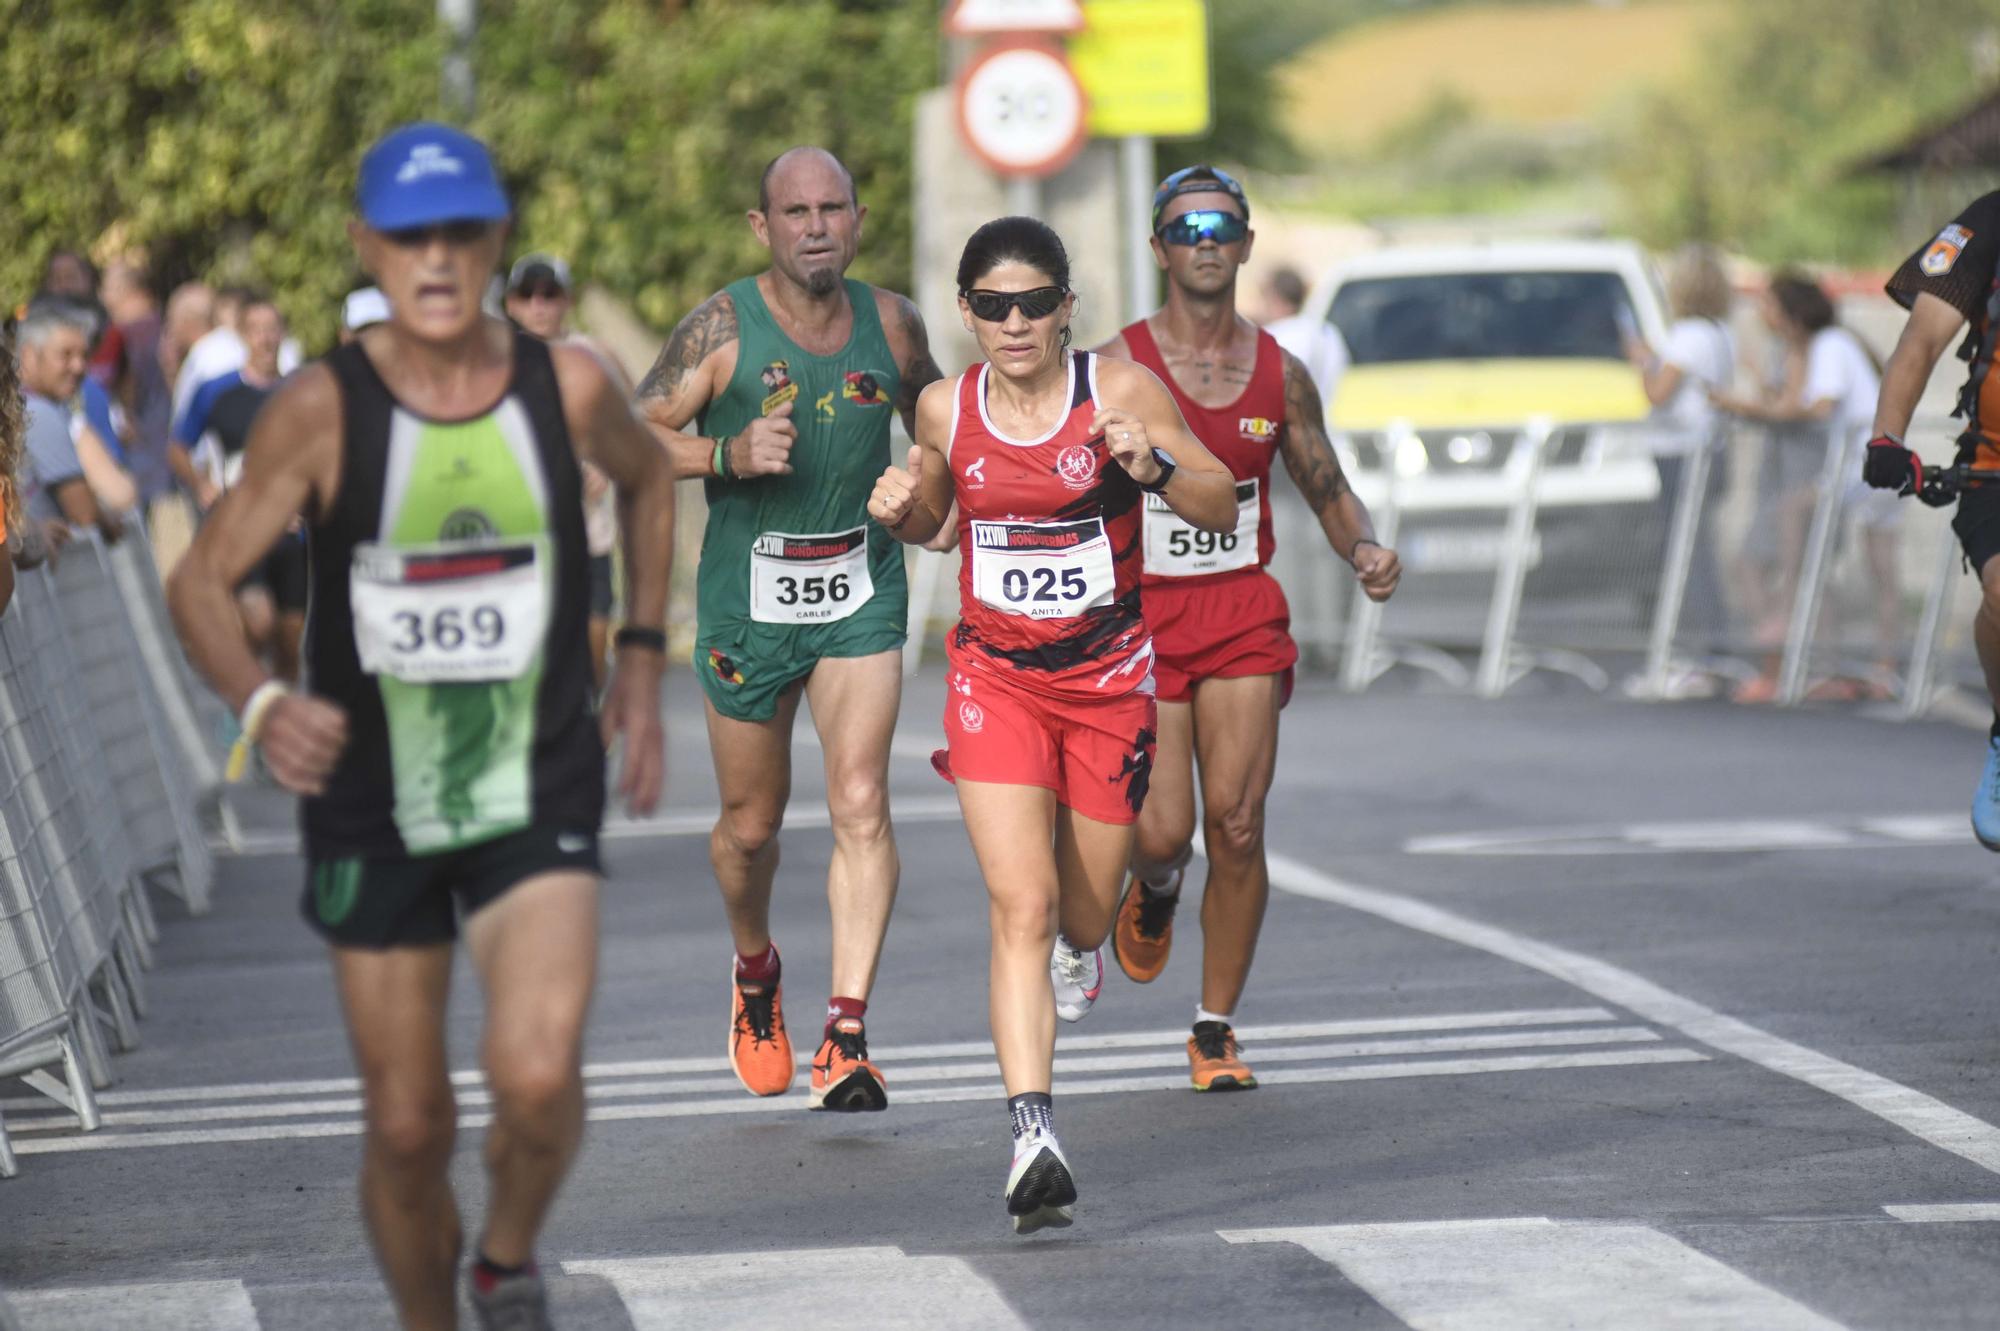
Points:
point(1021, 110)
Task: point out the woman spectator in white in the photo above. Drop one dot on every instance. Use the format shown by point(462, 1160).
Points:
point(1842, 378)
point(1699, 358)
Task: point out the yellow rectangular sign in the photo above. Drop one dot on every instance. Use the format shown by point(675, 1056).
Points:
point(1143, 65)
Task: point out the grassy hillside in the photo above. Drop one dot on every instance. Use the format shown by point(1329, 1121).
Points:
point(1526, 65)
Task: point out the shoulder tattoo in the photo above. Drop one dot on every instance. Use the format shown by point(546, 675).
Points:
point(1308, 452)
point(709, 325)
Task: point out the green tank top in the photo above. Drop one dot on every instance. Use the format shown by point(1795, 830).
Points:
point(785, 552)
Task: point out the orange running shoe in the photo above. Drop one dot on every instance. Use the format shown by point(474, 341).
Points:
point(1215, 1063)
point(759, 1049)
point(1144, 932)
point(843, 1079)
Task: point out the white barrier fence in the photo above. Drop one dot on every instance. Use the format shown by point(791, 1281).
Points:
point(1756, 564)
point(105, 762)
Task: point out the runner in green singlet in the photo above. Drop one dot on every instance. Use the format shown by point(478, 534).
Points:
point(444, 743)
point(777, 391)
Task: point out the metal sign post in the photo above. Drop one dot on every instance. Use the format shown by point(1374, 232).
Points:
point(1143, 65)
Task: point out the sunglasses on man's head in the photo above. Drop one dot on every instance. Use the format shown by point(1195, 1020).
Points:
point(452, 233)
point(992, 306)
point(1192, 228)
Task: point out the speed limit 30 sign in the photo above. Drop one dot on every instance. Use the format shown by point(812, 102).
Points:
point(1021, 110)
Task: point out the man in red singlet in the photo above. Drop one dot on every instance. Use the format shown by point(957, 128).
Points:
point(1219, 621)
point(1048, 454)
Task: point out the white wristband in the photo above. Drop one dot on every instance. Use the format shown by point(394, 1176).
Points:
point(259, 702)
point(250, 722)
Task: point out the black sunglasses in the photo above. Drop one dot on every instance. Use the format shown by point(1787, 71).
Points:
point(993, 306)
point(452, 233)
point(1192, 228)
point(542, 291)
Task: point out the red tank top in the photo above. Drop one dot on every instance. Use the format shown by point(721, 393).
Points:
point(1048, 533)
point(1244, 434)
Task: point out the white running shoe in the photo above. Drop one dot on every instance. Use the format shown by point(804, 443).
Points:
point(1040, 1190)
point(1078, 978)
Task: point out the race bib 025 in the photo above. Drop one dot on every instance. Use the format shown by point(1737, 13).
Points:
point(1044, 570)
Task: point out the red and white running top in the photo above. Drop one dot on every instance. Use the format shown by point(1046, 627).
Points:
point(1244, 435)
point(1048, 531)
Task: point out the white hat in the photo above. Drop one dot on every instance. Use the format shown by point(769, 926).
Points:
point(364, 306)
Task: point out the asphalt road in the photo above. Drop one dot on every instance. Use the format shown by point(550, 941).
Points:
point(1570, 1012)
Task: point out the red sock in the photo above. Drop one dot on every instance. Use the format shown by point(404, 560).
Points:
point(486, 1273)
point(758, 968)
point(838, 1007)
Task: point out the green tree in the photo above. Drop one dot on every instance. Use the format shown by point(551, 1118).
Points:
point(1759, 148)
point(222, 136)
point(218, 135)
point(638, 142)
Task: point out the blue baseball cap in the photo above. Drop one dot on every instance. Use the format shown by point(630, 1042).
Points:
point(422, 174)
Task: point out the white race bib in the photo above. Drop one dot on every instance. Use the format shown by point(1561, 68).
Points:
point(809, 579)
point(455, 613)
point(1174, 549)
point(1044, 570)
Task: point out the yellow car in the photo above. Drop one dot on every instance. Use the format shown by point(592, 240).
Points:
point(1463, 345)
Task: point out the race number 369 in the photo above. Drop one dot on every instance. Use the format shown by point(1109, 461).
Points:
point(457, 613)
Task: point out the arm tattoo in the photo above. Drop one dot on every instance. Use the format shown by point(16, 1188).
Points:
point(922, 371)
point(1308, 453)
point(709, 325)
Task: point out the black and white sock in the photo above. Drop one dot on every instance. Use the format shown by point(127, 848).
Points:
point(1032, 1111)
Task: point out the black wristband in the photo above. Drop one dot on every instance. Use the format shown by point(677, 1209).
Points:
point(631, 635)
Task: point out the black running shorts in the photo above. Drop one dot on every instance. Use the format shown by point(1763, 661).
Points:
point(1977, 523)
point(418, 900)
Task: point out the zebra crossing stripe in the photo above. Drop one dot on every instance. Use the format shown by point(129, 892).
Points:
point(828, 1289)
point(1527, 1274)
point(214, 1305)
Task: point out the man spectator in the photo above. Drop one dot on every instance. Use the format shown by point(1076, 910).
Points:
point(142, 384)
point(220, 351)
point(190, 315)
point(539, 296)
point(1317, 343)
point(53, 342)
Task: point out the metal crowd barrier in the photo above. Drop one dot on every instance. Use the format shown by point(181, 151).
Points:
point(1755, 563)
point(98, 799)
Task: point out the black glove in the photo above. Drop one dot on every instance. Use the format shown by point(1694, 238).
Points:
point(1890, 466)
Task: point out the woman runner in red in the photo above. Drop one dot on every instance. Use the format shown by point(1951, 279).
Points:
point(1048, 453)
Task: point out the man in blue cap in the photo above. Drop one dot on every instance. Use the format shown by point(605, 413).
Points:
point(451, 768)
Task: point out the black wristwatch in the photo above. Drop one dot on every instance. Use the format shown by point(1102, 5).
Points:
point(1166, 473)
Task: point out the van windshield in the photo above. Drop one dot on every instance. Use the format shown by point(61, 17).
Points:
point(1481, 316)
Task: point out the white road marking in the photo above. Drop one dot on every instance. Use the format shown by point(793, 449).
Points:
point(1717, 836)
point(1524, 1275)
point(1065, 1044)
point(1923, 1116)
point(899, 1074)
point(213, 1305)
point(796, 1101)
point(1944, 1212)
point(828, 1289)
